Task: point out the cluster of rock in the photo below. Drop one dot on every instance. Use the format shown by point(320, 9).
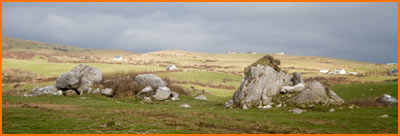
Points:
point(162, 92)
point(266, 86)
point(81, 79)
point(77, 81)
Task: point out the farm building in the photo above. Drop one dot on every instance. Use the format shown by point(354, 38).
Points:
point(323, 71)
point(281, 53)
point(119, 58)
point(339, 71)
point(171, 67)
point(251, 52)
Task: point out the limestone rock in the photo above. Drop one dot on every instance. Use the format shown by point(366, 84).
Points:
point(145, 92)
point(150, 80)
point(297, 78)
point(200, 97)
point(107, 92)
point(259, 86)
point(316, 93)
point(80, 78)
point(162, 93)
point(387, 100)
point(47, 90)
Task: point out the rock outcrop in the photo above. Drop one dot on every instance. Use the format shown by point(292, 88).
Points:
point(81, 78)
point(261, 83)
point(265, 85)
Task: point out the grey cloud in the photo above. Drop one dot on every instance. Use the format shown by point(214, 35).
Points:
point(354, 31)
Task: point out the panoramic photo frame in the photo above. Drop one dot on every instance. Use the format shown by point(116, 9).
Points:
point(200, 87)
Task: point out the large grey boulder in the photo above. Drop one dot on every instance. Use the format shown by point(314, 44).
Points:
point(297, 78)
point(81, 78)
point(316, 93)
point(387, 100)
point(162, 93)
point(150, 80)
point(259, 86)
point(47, 90)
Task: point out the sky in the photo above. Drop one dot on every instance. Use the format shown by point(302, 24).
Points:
point(365, 32)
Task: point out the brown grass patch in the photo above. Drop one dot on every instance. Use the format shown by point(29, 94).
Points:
point(370, 102)
point(25, 55)
point(17, 75)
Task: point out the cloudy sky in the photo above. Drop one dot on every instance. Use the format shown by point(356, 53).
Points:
point(355, 31)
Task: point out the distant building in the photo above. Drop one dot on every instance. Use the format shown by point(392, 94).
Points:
point(171, 67)
point(251, 52)
point(281, 53)
point(338, 71)
point(119, 58)
point(233, 52)
point(323, 71)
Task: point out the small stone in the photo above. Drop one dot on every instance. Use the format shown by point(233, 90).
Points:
point(297, 111)
point(200, 97)
point(384, 116)
point(185, 105)
point(245, 107)
point(267, 107)
point(332, 110)
point(107, 92)
point(146, 99)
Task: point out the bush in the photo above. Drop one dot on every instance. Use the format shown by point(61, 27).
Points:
point(124, 84)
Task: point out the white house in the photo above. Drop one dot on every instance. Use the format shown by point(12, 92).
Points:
point(281, 53)
point(233, 52)
point(339, 71)
point(118, 58)
point(251, 52)
point(323, 71)
point(171, 67)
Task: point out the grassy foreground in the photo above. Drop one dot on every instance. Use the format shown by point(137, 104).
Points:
point(98, 114)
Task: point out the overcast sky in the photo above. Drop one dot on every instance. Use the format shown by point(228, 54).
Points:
point(354, 31)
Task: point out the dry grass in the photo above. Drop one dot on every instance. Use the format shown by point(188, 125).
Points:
point(369, 102)
point(17, 75)
point(124, 84)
